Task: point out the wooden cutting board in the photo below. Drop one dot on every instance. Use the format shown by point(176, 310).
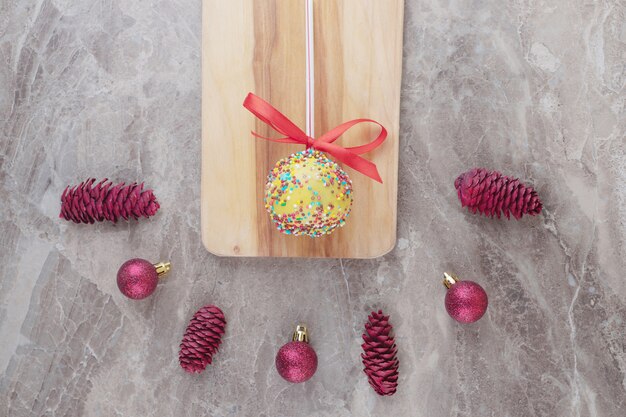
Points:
point(259, 46)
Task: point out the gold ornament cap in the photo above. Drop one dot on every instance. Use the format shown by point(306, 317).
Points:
point(301, 334)
point(449, 279)
point(163, 268)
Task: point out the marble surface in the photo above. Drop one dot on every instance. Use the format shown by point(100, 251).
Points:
point(112, 88)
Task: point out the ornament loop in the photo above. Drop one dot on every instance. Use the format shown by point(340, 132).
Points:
point(301, 334)
point(163, 268)
point(449, 279)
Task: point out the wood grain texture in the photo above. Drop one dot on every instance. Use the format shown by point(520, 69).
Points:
point(258, 46)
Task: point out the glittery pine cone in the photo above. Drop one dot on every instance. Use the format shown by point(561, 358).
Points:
point(379, 357)
point(87, 203)
point(491, 193)
point(202, 339)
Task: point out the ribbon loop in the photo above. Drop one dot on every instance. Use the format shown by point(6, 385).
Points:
point(269, 115)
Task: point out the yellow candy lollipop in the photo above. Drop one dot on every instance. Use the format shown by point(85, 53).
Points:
point(308, 194)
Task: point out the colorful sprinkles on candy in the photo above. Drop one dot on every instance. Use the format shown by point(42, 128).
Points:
point(308, 194)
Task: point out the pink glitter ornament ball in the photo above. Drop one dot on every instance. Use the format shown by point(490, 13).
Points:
point(138, 278)
point(296, 361)
point(466, 301)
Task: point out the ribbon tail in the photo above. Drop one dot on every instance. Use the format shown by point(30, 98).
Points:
point(333, 134)
point(364, 166)
point(269, 115)
point(279, 140)
point(350, 158)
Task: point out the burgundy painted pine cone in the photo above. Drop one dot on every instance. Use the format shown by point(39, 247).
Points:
point(86, 203)
point(379, 354)
point(491, 193)
point(202, 339)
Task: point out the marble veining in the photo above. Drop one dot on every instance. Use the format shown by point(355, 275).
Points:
point(111, 88)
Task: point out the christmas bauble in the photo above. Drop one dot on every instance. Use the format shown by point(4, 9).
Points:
point(138, 278)
point(466, 301)
point(308, 194)
point(296, 361)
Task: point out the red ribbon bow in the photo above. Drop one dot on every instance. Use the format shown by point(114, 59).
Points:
point(293, 134)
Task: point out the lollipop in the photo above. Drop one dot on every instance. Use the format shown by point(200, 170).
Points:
point(307, 193)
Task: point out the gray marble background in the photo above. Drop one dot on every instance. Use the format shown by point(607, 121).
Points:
point(112, 88)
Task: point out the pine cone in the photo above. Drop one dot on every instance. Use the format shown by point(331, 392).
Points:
point(379, 357)
point(87, 204)
point(202, 339)
point(492, 193)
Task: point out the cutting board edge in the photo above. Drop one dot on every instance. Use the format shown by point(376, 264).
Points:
point(208, 245)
